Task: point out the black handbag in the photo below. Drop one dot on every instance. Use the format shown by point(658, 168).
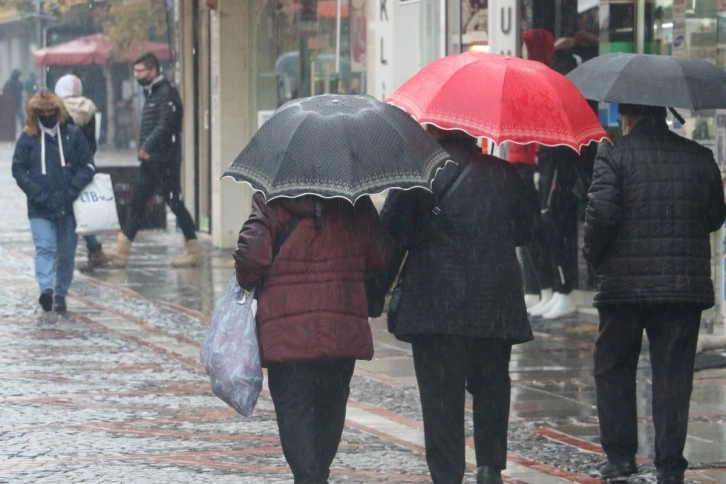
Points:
point(394, 303)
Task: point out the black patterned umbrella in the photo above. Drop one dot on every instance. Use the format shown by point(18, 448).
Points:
point(341, 146)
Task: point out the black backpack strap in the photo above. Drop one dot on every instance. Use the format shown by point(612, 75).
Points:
point(279, 241)
point(282, 236)
point(448, 190)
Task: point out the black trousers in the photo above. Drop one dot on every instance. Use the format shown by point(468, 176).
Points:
point(558, 234)
point(446, 366)
point(533, 256)
point(672, 331)
point(310, 400)
point(152, 179)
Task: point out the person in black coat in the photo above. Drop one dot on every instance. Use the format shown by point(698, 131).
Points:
point(160, 171)
point(654, 199)
point(13, 89)
point(462, 304)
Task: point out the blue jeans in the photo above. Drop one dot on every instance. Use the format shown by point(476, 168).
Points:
point(55, 249)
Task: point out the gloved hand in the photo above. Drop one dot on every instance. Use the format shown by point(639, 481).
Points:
point(41, 200)
point(71, 194)
point(57, 200)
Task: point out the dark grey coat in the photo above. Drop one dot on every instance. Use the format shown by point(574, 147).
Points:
point(654, 198)
point(462, 276)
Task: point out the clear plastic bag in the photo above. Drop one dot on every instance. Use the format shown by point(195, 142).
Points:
point(230, 351)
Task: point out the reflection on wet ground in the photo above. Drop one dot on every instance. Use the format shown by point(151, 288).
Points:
point(152, 317)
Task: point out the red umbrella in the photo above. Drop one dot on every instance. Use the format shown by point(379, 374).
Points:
point(500, 98)
point(93, 49)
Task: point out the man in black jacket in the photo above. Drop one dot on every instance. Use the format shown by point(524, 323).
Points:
point(160, 171)
point(654, 199)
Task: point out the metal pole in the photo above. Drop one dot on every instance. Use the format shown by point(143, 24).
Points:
point(640, 26)
point(39, 38)
point(337, 38)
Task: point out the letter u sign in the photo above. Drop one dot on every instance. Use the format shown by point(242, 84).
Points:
point(505, 20)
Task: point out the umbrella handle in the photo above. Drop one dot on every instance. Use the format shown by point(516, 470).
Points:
point(677, 116)
point(552, 185)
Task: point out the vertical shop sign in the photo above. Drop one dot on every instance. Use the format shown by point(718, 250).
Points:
point(384, 69)
point(357, 35)
point(504, 27)
point(679, 27)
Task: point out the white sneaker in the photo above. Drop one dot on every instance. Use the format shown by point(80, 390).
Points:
point(563, 307)
point(531, 299)
point(544, 304)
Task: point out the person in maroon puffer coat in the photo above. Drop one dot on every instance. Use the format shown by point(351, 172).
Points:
point(312, 314)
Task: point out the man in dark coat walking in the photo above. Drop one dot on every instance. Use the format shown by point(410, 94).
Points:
point(160, 171)
point(654, 199)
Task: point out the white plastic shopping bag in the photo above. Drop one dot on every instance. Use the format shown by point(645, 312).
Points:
point(230, 351)
point(95, 207)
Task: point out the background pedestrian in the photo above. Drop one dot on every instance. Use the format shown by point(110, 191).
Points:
point(160, 170)
point(52, 163)
point(533, 258)
point(82, 112)
point(562, 173)
point(654, 198)
point(13, 88)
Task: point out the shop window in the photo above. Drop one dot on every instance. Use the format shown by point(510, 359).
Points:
point(300, 48)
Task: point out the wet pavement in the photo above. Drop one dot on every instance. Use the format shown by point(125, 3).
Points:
point(113, 391)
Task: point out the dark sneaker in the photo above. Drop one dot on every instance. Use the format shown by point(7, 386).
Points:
point(46, 299)
point(60, 304)
point(620, 469)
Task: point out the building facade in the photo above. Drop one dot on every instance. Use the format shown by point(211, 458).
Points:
point(241, 59)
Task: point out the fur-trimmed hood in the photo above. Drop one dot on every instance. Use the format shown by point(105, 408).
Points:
point(80, 108)
point(41, 101)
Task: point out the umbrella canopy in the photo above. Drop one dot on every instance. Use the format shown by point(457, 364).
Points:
point(341, 146)
point(652, 80)
point(501, 98)
point(94, 49)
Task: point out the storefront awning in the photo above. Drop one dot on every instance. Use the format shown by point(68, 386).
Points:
point(9, 14)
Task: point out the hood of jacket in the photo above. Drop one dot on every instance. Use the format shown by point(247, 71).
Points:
point(39, 102)
point(309, 206)
point(80, 108)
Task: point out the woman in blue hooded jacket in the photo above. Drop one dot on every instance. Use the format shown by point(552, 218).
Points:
point(52, 163)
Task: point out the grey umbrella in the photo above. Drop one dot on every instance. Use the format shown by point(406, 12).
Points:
point(341, 146)
point(652, 80)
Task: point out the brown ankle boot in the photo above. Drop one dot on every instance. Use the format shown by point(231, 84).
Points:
point(193, 256)
point(118, 255)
